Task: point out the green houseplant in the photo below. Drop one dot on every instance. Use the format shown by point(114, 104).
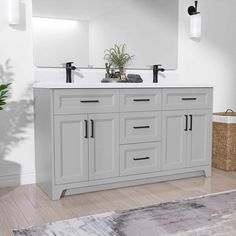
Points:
point(3, 95)
point(117, 57)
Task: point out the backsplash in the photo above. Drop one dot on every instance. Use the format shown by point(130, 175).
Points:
point(57, 75)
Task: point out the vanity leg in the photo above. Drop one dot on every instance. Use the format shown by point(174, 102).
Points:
point(208, 171)
point(56, 195)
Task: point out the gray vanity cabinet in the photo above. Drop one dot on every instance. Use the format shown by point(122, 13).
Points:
point(71, 149)
point(94, 139)
point(174, 143)
point(199, 136)
point(86, 147)
point(187, 134)
point(103, 146)
point(186, 128)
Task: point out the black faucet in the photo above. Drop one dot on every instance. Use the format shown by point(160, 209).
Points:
point(69, 68)
point(156, 69)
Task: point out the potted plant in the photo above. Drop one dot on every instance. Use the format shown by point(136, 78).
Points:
point(117, 57)
point(3, 95)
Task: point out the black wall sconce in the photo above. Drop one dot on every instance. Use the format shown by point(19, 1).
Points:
point(195, 21)
point(192, 10)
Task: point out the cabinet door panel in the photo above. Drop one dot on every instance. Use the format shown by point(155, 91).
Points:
point(71, 149)
point(104, 146)
point(174, 140)
point(199, 139)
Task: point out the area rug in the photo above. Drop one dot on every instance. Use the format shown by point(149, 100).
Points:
point(202, 216)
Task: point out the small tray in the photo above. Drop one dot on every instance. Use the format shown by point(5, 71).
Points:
point(116, 80)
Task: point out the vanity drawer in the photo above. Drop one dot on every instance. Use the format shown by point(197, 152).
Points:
point(140, 99)
point(76, 101)
point(189, 98)
point(140, 158)
point(140, 127)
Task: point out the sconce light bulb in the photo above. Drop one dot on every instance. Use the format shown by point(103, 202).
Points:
point(14, 12)
point(195, 26)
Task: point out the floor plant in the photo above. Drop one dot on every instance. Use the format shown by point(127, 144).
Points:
point(3, 95)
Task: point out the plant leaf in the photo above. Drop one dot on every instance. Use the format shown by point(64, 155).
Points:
point(117, 56)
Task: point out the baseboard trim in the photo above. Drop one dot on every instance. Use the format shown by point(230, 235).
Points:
point(17, 179)
point(130, 183)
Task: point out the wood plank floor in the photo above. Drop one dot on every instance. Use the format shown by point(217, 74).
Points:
point(25, 206)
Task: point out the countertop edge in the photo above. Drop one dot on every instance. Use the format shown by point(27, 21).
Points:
point(117, 86)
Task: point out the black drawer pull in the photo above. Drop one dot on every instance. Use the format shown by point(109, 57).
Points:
point(92, 129)
point(141, 127)
point(186, 123)
point(86, 129)
point(189, 99)
point(142, 100)
point(191, 122)
point(141, 158)
point(90, 101)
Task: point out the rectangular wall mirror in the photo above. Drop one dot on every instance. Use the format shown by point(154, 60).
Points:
point(80, 31)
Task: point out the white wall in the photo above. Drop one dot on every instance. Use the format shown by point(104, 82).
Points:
point(16, 126)
point(212, 60)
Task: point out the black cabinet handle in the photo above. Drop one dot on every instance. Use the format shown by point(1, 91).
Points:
point(92, 129)
point(89, 101)
point(86, 129)
point(141, 158)
point(191, 122)
point(141, 100)
point(189, 99)
point(186, 123)
point(141, 127)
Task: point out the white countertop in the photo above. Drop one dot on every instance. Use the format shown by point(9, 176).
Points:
point(116, 85)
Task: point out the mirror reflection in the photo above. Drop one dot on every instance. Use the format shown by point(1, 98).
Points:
point(81, 31)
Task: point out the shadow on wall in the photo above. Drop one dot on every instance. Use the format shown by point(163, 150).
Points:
point(16, 117)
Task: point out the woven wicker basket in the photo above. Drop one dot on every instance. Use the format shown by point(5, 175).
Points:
point(224, 141)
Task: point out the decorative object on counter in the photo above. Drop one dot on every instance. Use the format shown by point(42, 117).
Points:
point(134, 78)
point(110, 80)
point(224, 140)
point(208, 215)
point(3, 95)
point(118, 58)
point(131, 78)
point(108, 68)
point(156, 69)
point(195, 21)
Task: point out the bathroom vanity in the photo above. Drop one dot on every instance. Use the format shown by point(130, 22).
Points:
point(96, 137)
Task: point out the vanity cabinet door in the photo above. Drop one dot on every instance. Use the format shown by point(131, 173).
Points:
point(71, 149)
point(103, 146)
point(174, 139)
point(199, 138)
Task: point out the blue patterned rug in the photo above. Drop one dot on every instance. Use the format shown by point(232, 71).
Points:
point(204, 216)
